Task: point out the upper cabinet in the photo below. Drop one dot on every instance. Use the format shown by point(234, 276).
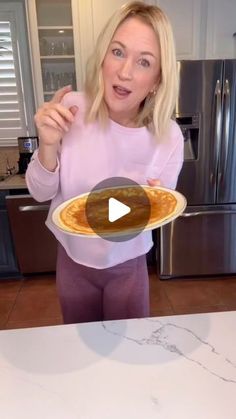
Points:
point(102, 11)
point(187, 18)
point(188, 21)
point(54, 40)
point(221, 29)
point(203, 29)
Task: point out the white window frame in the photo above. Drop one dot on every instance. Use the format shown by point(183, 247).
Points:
point(14, 13)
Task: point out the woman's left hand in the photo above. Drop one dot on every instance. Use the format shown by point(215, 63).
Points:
point(154, 182)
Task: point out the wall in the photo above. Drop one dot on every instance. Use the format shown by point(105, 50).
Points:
point(12, 153)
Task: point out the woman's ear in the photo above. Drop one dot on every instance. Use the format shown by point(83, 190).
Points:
point(155, 87)
point(158, 81)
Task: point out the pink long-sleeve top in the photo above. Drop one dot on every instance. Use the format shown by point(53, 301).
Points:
point(89, 155)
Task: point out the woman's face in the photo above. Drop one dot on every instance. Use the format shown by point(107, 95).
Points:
point(130, 69)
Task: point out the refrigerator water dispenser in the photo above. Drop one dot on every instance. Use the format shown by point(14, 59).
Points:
point(189, 125)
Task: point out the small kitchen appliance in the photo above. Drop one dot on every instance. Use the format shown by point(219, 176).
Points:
point(27, 146)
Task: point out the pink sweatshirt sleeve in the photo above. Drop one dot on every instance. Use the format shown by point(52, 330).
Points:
point(42, 184)
point(170, 173)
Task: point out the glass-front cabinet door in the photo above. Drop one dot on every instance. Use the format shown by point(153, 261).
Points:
point(56, 45)
point(53, 46)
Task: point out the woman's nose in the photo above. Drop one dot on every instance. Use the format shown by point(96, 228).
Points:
point(126, 70)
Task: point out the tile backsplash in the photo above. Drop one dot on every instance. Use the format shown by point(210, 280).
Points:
point(12, 153)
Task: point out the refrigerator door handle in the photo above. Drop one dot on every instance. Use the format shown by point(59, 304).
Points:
point(213, 212)
point(225, 137)
point(217, 133)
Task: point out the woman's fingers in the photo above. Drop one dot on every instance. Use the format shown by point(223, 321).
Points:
point(57, 112)
point(60, 93)
point(54, 119)
point(55, 116)
point(153, 182)
point(48, 121)
point(64, 112)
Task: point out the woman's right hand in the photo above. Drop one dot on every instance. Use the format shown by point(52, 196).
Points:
point(53, 120)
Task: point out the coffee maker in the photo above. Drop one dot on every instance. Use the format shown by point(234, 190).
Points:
point(27, 146)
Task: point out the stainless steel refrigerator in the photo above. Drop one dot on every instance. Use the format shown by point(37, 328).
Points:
point(203, 240)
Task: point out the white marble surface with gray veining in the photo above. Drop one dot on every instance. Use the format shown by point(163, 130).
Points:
point(176, 367)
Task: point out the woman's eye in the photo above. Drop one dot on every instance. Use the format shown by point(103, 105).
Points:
point(144, 62)
point(117, 52)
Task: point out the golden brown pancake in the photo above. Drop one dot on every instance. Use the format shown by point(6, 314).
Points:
point(74, 219)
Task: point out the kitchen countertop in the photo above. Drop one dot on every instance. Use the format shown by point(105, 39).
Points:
point(173, 367)
point(13, 182)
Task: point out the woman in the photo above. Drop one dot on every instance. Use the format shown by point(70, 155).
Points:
point(120, 126)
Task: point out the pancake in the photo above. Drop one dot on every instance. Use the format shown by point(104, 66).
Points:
point(73, 217)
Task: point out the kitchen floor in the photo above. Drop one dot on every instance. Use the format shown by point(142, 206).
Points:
point(33, 301)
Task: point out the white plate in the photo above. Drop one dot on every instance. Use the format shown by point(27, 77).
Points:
point(180, 207)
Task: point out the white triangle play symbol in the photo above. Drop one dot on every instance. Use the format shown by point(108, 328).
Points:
point(117, 210)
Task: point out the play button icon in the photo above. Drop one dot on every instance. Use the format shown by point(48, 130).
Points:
point(117, 210)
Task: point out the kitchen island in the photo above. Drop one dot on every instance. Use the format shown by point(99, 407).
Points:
point(174, 367)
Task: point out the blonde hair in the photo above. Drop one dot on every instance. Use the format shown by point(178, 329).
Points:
point(158, 108)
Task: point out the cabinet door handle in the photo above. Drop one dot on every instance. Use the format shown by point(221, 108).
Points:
point(28, 208)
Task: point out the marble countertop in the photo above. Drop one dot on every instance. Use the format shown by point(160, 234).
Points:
point(174, 367)
point(13, 182)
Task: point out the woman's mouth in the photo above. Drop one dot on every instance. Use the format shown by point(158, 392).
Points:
point(121, 91)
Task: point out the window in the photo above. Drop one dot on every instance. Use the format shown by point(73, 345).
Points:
point(13, 120)
point(16, 101)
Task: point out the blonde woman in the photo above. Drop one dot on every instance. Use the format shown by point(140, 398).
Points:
point(119, 126)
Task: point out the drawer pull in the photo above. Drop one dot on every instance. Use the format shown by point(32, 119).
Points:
point(29, 208)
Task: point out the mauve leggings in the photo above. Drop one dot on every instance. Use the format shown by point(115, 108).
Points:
point(87, 294)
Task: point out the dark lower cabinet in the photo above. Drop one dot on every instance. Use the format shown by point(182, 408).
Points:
point(8, 262)
point(34, 244)
point(26, 244)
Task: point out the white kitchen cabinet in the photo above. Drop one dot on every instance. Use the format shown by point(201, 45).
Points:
point(203, 29)
point(188, 19)
point(221, 27)
point(54, 37)
point(101, 12)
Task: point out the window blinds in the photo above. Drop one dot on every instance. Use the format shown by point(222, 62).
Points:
point(13, 122)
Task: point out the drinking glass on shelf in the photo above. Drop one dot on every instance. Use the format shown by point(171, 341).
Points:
point(72, 80)
point(64, 79)
point(64, 48)
point(47, 81)
point(58, 49)
point(71, 48)
point(52, 48)
point(57, 81)
point(53, 82)
point(68, 78)
point(43, 45)
point(50, 82)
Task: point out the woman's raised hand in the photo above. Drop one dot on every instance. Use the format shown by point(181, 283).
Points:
point(53, 120)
